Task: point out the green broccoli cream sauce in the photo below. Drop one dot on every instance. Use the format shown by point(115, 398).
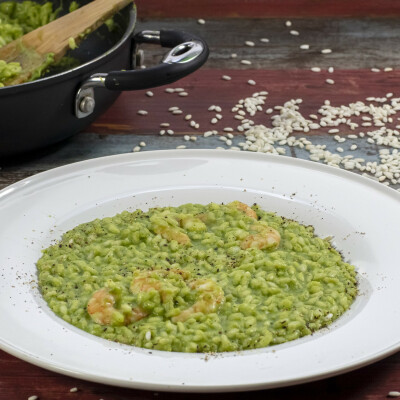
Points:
point(17, 19)
point(196, 278)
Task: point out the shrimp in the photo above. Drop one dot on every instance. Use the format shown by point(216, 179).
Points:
point(101, 308)
point(147, 280)
point(266, 238)
point(244, 208)
point(173, 226)
point(172, 233)
point(210, 298)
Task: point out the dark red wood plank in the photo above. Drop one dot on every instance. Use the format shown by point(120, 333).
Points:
point(266, 8)
point(206, 87)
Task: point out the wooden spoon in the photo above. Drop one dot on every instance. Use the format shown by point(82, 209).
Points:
point(31, 50)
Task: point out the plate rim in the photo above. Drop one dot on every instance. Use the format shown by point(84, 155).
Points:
point(199, 388)
point(313, 165)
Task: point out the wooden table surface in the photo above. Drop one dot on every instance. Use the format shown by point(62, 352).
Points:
point(361, 38)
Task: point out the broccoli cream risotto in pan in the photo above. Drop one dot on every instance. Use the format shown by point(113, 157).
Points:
point(196, 278)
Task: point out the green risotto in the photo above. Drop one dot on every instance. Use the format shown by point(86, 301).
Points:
point(196, 278)
point(17, 19)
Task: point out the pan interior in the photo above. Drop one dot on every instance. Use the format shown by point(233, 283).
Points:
point(96, 43)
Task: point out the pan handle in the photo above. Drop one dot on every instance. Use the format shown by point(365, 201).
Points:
point(189, 53)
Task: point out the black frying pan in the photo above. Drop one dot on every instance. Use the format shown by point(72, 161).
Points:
point(40, 113)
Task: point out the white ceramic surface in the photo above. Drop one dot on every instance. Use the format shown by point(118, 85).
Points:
point(363, 216)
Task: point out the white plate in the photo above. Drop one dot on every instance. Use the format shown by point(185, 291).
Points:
point(363, 217)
